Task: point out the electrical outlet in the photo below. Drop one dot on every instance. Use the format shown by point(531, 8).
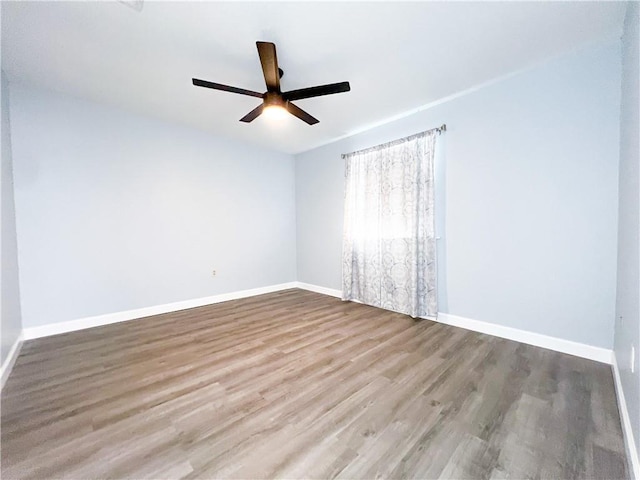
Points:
point(633, 358)
point(213, 273)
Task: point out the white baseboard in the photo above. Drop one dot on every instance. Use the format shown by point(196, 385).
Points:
point(632, 449)
point(598, 354)
point(8, 363)
point(573, 348)
point(315, 288)
point(96, 321)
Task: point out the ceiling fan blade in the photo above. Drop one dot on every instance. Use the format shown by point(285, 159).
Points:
point(301, 114)
point(253, 114)
point(225, 88)
point(317, 91)
point(269, 61)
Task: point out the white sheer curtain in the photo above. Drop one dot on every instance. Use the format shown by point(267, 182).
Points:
point(389, 249)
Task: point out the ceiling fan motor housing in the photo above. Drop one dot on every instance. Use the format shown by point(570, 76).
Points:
point(274, 99)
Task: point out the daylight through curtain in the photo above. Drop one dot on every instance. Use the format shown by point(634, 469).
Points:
point(389, 249)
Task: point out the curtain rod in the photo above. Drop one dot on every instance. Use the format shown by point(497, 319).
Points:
point(439, 130)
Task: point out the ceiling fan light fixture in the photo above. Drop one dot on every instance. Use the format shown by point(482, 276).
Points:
point(275, 112)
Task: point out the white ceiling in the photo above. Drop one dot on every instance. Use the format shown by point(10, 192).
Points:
point(397, 56)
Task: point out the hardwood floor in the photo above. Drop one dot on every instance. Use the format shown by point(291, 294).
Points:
point(300, 385)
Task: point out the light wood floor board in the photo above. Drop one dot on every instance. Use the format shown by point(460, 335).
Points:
point(296, 384)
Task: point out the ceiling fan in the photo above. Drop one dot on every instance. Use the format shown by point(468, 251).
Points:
point(274, 98)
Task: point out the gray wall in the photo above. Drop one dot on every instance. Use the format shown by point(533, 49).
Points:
point(10, 300)
point(627, 326)
point(528, 188)
point(116, 211)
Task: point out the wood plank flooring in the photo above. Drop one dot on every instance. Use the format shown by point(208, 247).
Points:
point(300, 385)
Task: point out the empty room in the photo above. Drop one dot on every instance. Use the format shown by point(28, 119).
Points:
point(310, 240)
